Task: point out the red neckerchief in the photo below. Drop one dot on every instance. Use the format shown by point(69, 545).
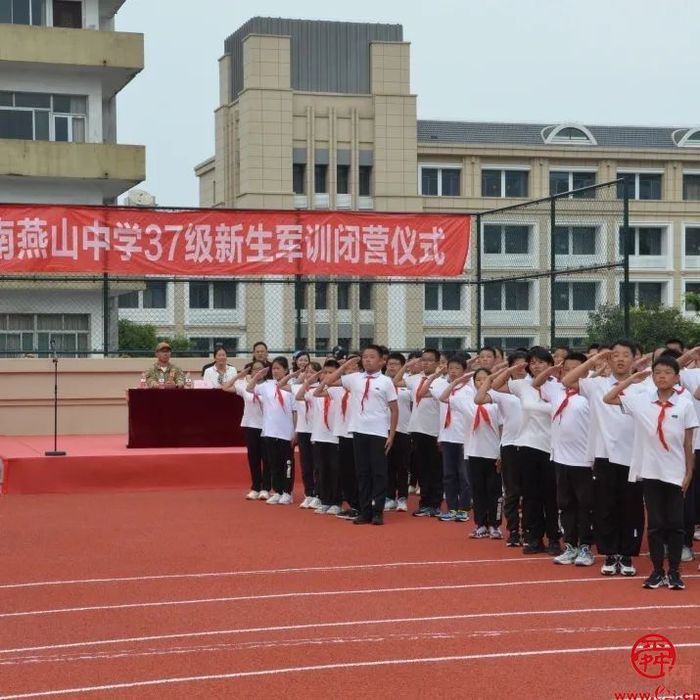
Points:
point(280, 398)
point(660, 423)
point(448, 415)
point(481, 415)
point(570, 391)
point(365, 394)
point(344, 403)
point(326, 409)
point(420, 386)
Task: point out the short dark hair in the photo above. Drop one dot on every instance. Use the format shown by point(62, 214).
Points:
point(594, 346)
point(515, 356)
point(458, 359)
point(377, 348)
point(385, 349)
point(666, 361)
point(540, 353)
point(488, 348)
point(670, 352)
point(260, 342)
point(578, 356)
point(482, 370)
point(414, 354)
point(435, 353)
point(397, 356)
point(562, 347)
point(624, 343)
point(331, 363)
point(282, 361)
point(675, 341)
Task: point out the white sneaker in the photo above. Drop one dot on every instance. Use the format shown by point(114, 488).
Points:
point(286, 499)
point(568, 556)
point(274, 499)
point(495, 533)
point(334, 510)
point(585, 556)
point(306, 503)
point(687, 554)
point(401, 505)
point(315, 503)
point(389, 504)
point(264, 495)
point(252, 495)
point(322, 510)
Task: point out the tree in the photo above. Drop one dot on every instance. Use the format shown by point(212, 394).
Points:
point(136, 339)
point(651, 326)
point(180, 344)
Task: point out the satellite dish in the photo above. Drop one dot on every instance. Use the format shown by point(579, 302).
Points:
point(140, 198)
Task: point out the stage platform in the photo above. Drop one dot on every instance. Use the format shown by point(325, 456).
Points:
point(103, 463)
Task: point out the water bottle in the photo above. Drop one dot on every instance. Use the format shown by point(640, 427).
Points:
point(188, 381)
point(161, 381)
point(142, 383)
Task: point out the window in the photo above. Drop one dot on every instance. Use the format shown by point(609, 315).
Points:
point(692, 288)
point(204, 347)
point(440, 182)
point(692, 240)
point(300, 295)
point(504, 183)
point(691, 187)
point(569, 134)
point(299, 178)
point(444, 343)
point(366, 295)
point(639, 185)
point(564, 181)
point(22, 333)
point(22, 12)
point(321, 295)
point(644, 240)
point(574, 240)
point(129, 301)
point(506, 296)
point(213, 295)
point(508, 342)
point(320, 179)
point(40, 117)
point(154, 296)
point(343, 295)
point(366, 335)
point(443, 296)
point(575, 296)
point(644, 293)
point(68, 13)
point(513, 240)
point(343, 179)
point(365, 184)
point(576, 343)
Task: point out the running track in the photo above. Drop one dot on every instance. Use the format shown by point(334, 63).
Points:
point(186, 594)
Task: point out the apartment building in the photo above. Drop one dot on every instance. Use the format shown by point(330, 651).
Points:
point(320, 115)
point(62, 66)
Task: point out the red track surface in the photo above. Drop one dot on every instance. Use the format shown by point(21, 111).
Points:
point(249, 600)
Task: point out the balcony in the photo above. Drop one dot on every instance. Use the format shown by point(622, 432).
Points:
point(115, 168)
point(115, 56)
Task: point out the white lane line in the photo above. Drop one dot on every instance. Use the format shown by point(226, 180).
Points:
point(329, 667)
point(348, 623)
point(268, 572)
point(313, 594)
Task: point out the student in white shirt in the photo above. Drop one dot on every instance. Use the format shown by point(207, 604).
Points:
point(373, 428)
point(664, 424)
point(324, 443)
point(618, 506)
point(572, 461)
point(304, 409)
point(251, 422)
point(453, 431)
point(424, 427)
point(279, 420)
point(399, 458)
point(510, 411)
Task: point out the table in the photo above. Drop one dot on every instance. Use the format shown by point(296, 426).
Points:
point(185, 418)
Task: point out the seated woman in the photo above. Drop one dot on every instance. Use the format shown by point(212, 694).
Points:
point(220, 373)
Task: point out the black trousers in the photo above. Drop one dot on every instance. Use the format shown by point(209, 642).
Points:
point(281, 460)
point(348, 478)
point(455, 481)
point(412, 470)
point(539, 489)
point(428, 465)
point(257, 460)
point(690, 504)
point(371, 468)
point(308, 468)
point(486, 491)
point(575, 501)
point(399, 461)
point(327, 460)
point(664, 504)
point(510, 472)
point(618, 510)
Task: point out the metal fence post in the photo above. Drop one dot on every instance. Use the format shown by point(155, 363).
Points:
point(299, 294)
point(478, 281)
point(105, 314)
point(626, 296)
point(552, 270)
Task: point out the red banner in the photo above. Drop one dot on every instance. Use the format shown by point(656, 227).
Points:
point(133, 241)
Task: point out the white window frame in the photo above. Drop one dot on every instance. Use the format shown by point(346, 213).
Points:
point(463, 345)
point(52, 116)
point(684, 282)
point(596, 301)
point(688, 171)
point(666, 289)
point(601, 243)
point(49, 12)
point(510, 260)
point(503, 168)
point(534, 338)
point(689, 262)
point(642, 171)
point(570, 170)
point(441, 284)
point(553, 137)
point(531, 293)
point(439, 167)
point(684, 141)
point(654, 262)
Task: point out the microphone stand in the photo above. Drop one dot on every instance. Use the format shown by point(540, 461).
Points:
point(55, 452)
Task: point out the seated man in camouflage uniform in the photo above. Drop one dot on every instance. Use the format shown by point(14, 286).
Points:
point(163, 373)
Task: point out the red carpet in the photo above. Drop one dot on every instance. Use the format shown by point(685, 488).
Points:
point(103, 463)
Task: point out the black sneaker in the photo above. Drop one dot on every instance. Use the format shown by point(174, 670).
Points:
point(553, 548)
point(533, 547)
point(657, 579)
point(348, 514)
point(514, 540)
point(675, 582)
point(361, 520)
point(377, 519)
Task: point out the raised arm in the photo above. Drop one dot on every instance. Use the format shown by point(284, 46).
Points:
point(498, 381)
point(460, 381)
point(228, 386)
point(333, 378)
point(482, 394)
point(411, 364)
point(301, 393)
point(282, 384)
point(425, 389)
point(613, 396)
point(259, 375)
point(570, 379)
point(543, 376)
